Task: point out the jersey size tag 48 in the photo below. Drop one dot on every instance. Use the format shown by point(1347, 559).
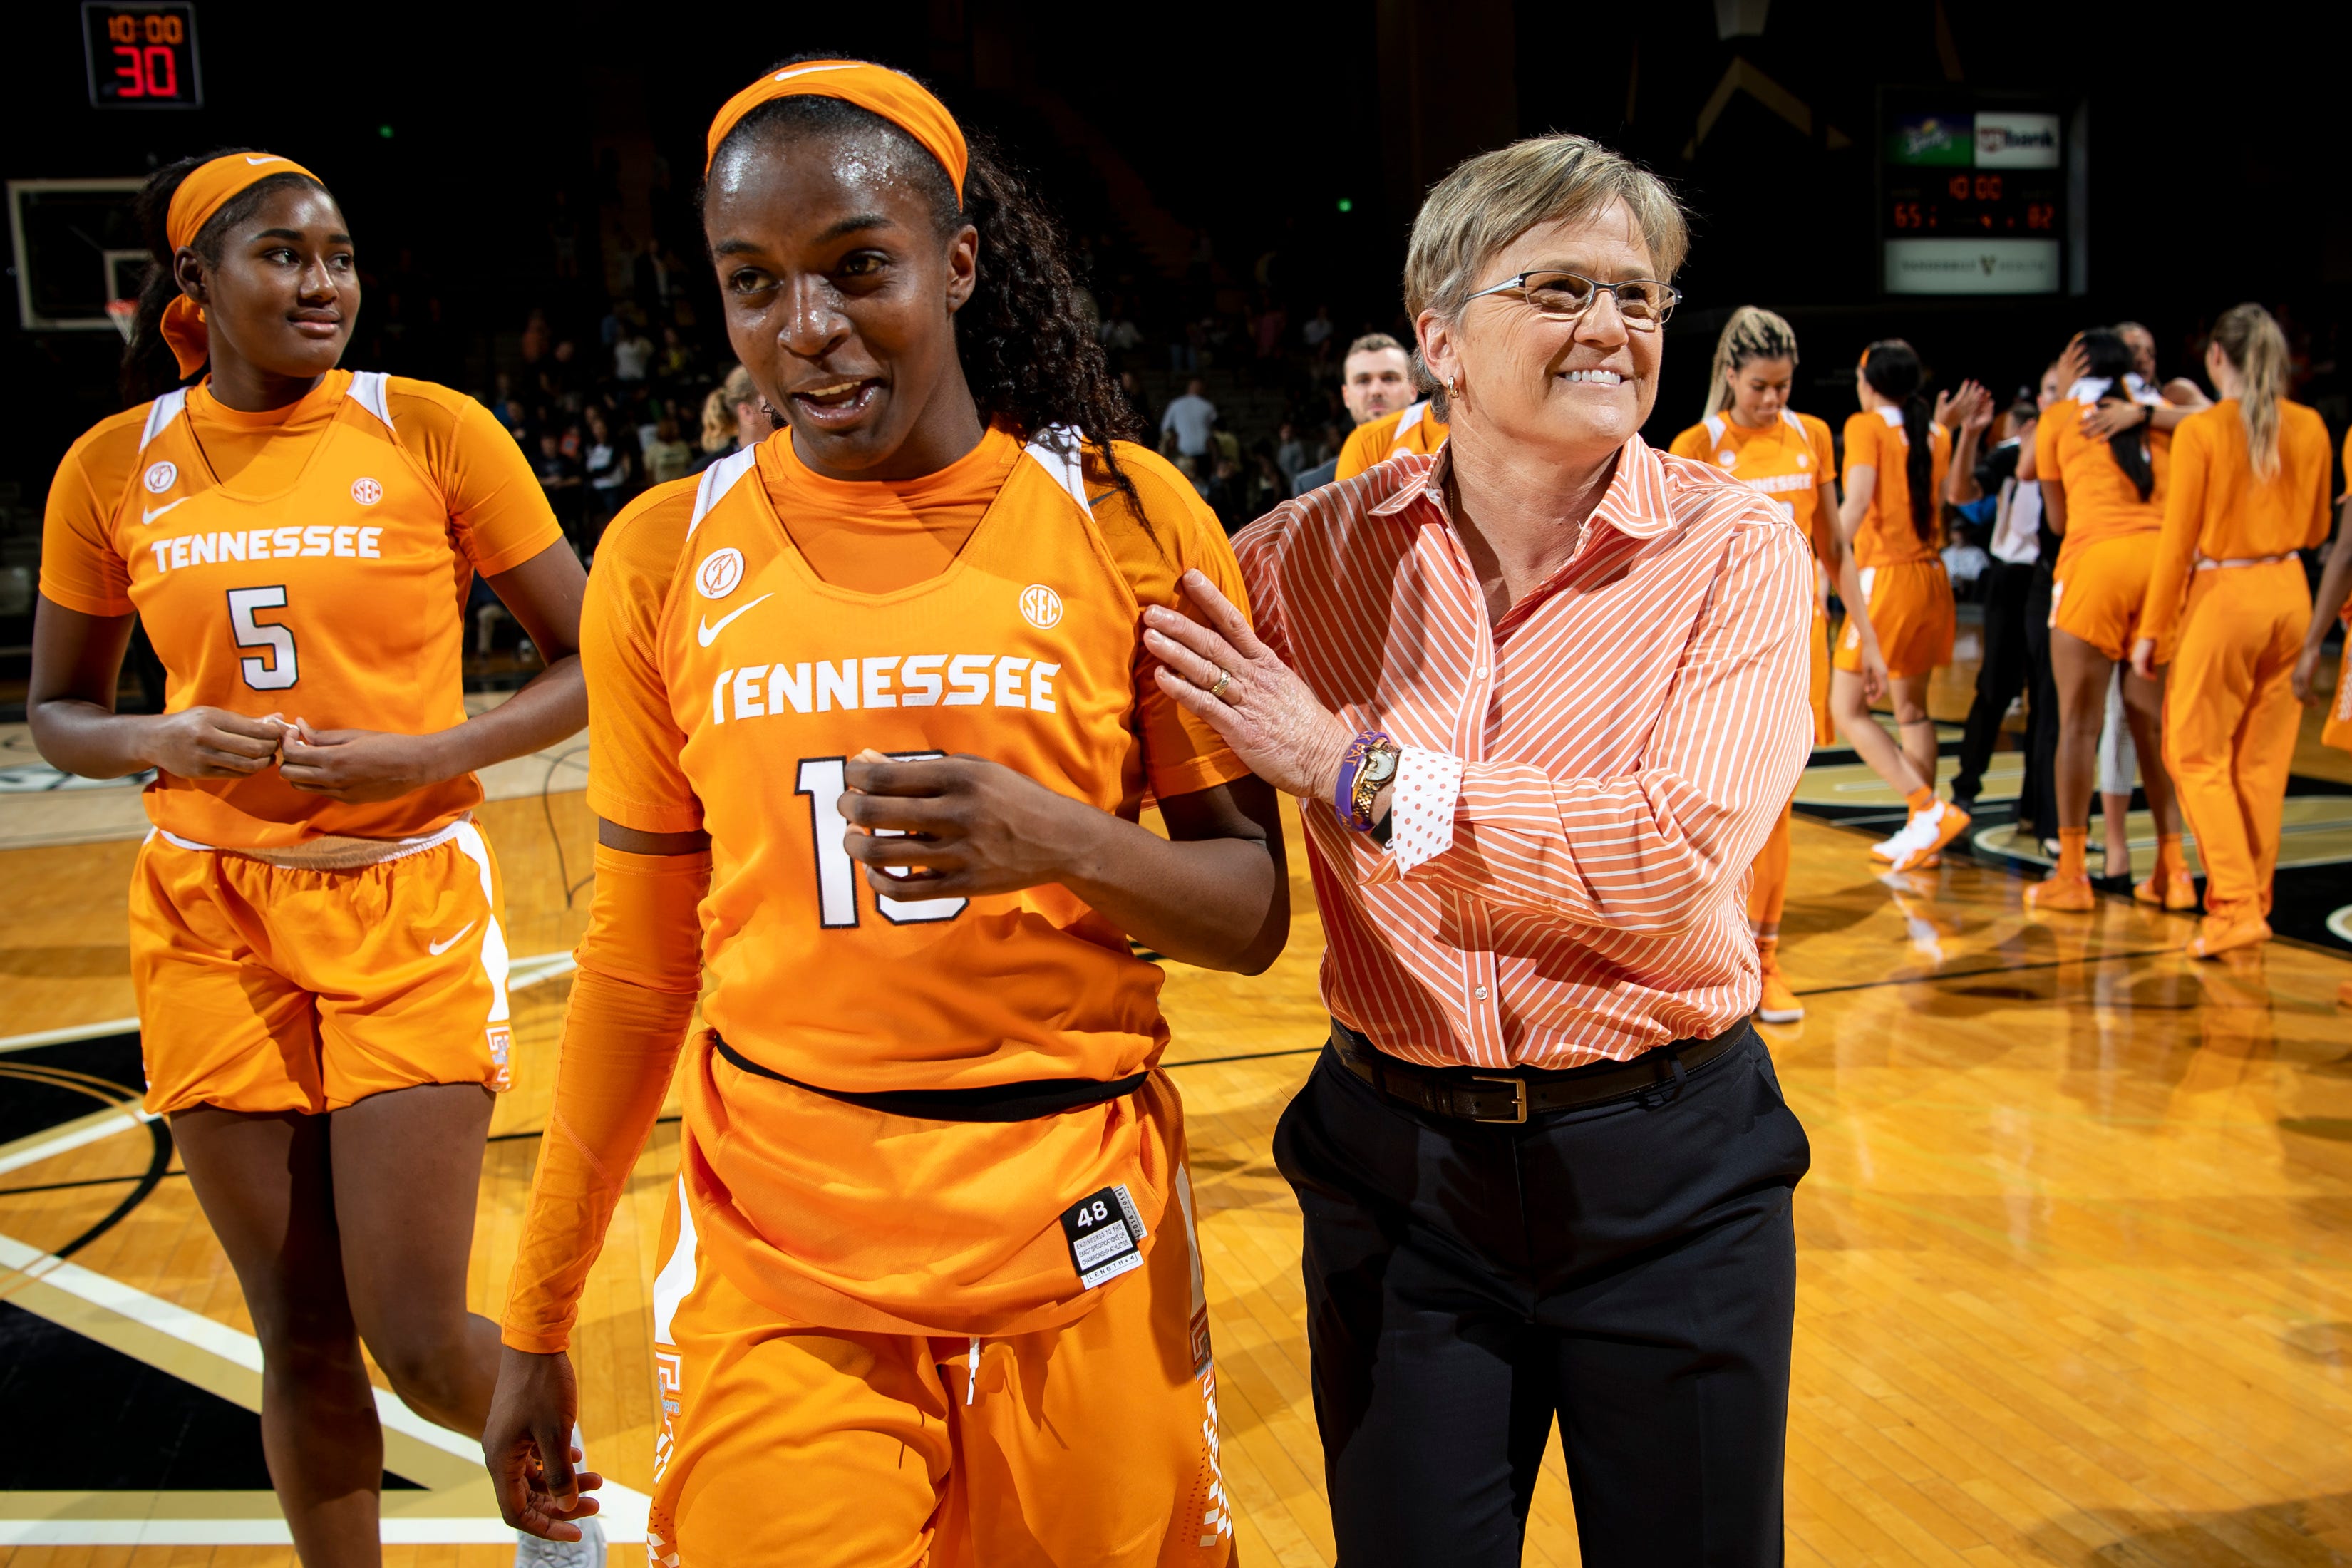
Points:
point(1106, 1235)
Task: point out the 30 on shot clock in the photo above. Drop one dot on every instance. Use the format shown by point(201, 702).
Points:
point(142, 57)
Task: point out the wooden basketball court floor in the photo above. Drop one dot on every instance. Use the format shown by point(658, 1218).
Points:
point(2074, 1279)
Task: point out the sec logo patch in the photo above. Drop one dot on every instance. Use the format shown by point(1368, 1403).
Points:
point(161, 477)
point(367, 492)
point(1040, 606)
point(719, 572)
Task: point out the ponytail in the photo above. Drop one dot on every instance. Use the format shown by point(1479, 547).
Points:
point(1752, 334)
point(1891, 369)
point(1027, 354)
point(2250, 335)
point(149, 367)
point(2109, 359)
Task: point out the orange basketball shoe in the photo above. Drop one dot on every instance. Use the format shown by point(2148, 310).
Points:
point(1930, 831)
point(2060, 894)
point(1776, 1003)
point(2173, 889)
point(2226, 933)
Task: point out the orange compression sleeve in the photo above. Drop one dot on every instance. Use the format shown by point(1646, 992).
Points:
point(631, 1000)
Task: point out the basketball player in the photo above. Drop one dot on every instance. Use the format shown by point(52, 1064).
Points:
point(315, 936)
point(1751, 432)
point(2249, 487)
point(1393, 426)
point(2327, 608)
point(872, 725)
point(1899, 616)
point(2105, 498)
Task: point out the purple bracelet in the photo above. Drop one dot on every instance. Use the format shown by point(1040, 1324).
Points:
point(1343, 794)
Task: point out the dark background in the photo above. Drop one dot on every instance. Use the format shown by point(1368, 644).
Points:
point(1205, 152)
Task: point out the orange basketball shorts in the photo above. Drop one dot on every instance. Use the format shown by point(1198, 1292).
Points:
point(265, 989)
point(1911, 610)
point(2097, 592)
point(784, 1446)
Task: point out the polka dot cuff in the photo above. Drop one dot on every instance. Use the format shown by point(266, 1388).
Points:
point(1421, 810)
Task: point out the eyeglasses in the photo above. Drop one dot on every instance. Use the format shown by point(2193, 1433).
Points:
point(1644, 302)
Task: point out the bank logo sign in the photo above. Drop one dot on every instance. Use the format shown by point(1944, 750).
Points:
point(2008, 141)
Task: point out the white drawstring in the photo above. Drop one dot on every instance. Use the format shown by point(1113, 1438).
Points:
point(972, 1371)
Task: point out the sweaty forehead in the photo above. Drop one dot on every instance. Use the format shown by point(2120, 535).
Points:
point(808, 181)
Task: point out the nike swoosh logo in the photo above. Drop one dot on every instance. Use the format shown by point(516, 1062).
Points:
point(438, 948)
point(149, 514)
point(265, 158)
point(707, 632)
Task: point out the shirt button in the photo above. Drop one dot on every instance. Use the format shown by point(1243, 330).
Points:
point(1479, 992)
point(1480, 672)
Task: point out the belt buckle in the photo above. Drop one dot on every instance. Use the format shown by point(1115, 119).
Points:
point(1518, 1099)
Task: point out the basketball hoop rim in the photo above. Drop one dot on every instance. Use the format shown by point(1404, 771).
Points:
point(124, 314)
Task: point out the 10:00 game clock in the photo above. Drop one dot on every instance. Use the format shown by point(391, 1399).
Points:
point(142, 57)
point(1972, 194)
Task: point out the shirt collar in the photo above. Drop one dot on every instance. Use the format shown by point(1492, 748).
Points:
point(1636, 504)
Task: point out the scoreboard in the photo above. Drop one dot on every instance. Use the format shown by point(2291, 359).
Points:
point(1972, 196)
point(142, 57)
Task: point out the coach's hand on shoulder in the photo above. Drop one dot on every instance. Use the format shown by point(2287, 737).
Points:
point(527, 1447)
point(1223, 674)
point(212, 744)
point(961, 825)
point(360, 765)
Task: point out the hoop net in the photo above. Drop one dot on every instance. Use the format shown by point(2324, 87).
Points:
point(122, 313)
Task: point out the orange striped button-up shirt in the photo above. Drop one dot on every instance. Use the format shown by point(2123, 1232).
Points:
point(1585, 783)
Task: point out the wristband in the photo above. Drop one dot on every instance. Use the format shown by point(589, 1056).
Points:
point(1369, 763)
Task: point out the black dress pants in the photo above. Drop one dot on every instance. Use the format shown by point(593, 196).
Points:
point(2006, 670)
point(1628, 1268)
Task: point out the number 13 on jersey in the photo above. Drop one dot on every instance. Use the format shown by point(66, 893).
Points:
point(822, 780)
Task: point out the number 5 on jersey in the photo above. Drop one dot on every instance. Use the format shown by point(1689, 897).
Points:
point(820, 779)
point(280, 670)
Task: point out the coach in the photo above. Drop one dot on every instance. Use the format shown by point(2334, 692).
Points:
point(1550, 693)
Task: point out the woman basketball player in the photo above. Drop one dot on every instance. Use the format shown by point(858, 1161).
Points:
point(314, 920)
point(1899, 616)
point(2250, 486)
point(2105, 498)
point(1751, 432)
point(872, 723)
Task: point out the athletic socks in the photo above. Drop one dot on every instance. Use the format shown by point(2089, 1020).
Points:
point(2071, 857)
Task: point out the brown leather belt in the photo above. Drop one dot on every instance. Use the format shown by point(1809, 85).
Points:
point(1473, 1095)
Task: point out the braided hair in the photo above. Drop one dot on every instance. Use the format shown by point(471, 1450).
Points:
point(149, 369)
point(1027, 354)
point(1752, 334)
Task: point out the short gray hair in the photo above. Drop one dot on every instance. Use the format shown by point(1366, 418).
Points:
point(1490, 200)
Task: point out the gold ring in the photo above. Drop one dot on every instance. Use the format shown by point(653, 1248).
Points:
point(1224, 678)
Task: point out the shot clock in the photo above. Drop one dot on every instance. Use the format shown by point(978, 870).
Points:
point(1972, 196)
point(142, 57)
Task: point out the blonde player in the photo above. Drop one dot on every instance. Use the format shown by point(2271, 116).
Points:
point(315, 934)
point(2250, 486)
point(1751, 432)
point(872, 723)
point(2105, 497)
point(1899, 616)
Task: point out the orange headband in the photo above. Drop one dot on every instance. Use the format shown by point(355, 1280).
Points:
point(899, 98)
point(209, 188)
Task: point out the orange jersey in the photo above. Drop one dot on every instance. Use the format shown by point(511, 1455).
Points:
point(1789, 460)
point(312, 562)
point(2217, 511)
point(1415, 428)
point(1885, 534)
point(2101, 500)
point(727, 684)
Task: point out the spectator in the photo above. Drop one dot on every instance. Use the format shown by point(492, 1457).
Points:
point(1316, 334)
point(558, 476)
point(632, 352)
point(666, 457)
point(735, 419)
point(1131, 387)
point(1119, 332)
point(1290, 455)
point(677, 355)
point(1191, 418)
point(610, 469)
point(1268, 329)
